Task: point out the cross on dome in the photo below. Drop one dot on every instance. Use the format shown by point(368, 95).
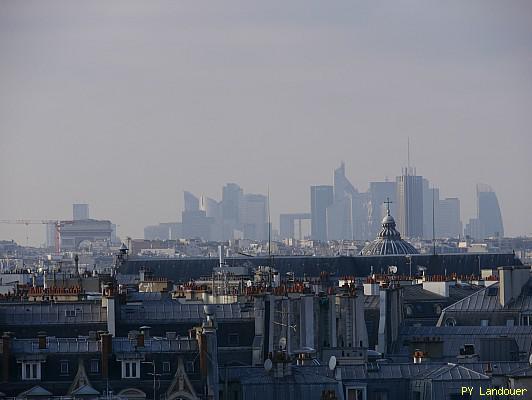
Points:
point(388, 202)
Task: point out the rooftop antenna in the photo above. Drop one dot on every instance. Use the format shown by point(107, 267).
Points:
point(270, 258)
point(269, 226)
point(408, 155)
point(433, 226)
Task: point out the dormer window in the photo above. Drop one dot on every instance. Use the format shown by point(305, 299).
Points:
point(31, 371)
point(131, 369)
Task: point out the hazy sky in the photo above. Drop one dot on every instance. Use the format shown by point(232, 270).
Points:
point(126, 104)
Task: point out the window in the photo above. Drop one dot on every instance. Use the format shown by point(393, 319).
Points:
point(166, 366)
point(458, 396)
point(233, 339)
point(95, 366)
point(356, 394)
point(131, 369)
point(64, 367)
point(189, 366)
point(31, 371)
point(450, 322)
point(70, 313)
point(380, 395)
point(526, 319)
point(510, 322)
point(484, 322)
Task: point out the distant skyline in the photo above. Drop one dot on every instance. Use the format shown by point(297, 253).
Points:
point(124, 105)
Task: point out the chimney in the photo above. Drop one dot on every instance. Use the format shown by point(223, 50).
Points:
point(505, 285)
point(6, 355)
point(221, 255)
point(306, 321)
point(145, 330)
point(107, 349)
point(511, 282)
point(140, 340)
point(419, 356)
point(438, 285)
point(208, 347)
point(371, 289)
point(112, 309)
point(41, 336)
point(390, 318)
point(259, 313)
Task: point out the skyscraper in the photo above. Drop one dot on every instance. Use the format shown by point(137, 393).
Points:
point(379, 192)
point(195, 223)
point(410, 203)
point(51, 235)
point(489, 219)
point(191, 202)
point(449, 223)
point(231, 199)
point(321, 197)
point(431, 199)
point(80, 211)
point(340, 212)
point(213, 210)
point(254, 216)
point(489, 212)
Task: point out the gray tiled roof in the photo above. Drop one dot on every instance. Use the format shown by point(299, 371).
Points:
point(41, 313)
point(120, 345)
point(453, 372)
point(417, 293)
point(499, 367)
point(56, 345)
point(155, 345)
point(173, 310)
point(488, 300)
point(454, 337)
point(395, 371)
point(384, 371)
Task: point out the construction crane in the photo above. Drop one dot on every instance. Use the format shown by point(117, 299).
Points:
point(57, 223)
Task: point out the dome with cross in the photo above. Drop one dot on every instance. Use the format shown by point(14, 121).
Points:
point(388, 241)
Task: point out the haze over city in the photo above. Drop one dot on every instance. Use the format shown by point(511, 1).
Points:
point(126, 107)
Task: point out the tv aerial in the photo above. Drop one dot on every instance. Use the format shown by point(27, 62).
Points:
point(332, 363)
point(268, 365)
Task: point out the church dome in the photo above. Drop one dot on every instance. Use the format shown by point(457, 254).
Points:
point(388, 241)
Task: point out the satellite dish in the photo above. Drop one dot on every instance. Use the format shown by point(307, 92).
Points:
point(268, 365)
point(530, 359)
point(282, 343)
point(392, 269)
point(332, 363)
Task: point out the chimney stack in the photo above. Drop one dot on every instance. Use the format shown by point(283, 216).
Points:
point(6, 355)
point(208, 347)
point(511, 282)
point(41, 336)
point(107, 349)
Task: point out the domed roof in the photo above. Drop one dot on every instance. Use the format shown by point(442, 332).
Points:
point(388, 241)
